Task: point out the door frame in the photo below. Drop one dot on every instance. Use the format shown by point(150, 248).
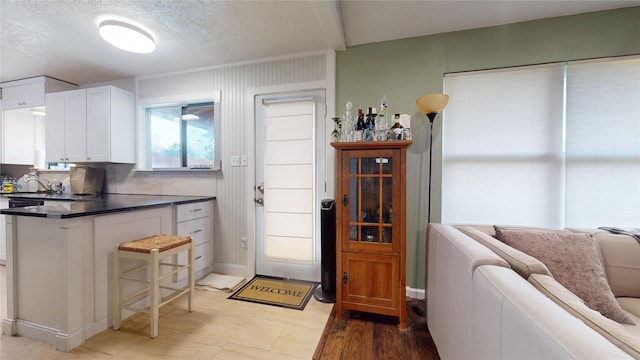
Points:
point(329, 153)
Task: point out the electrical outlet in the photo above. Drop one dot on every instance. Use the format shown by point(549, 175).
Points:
point(235, 160)
point(243, 242)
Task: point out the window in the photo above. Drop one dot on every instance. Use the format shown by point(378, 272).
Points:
point(552, 145)
point(182, 136)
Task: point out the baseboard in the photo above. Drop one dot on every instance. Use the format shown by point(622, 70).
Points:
point(415, 293)
point(232, 269)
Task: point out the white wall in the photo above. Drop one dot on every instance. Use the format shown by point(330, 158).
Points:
point(230, 184)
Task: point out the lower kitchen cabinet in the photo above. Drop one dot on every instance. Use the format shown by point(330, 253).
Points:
point(195, 220)
point(4, 204)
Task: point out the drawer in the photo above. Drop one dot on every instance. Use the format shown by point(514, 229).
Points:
point(198, 229)
point(203, 255)
point(193, 211)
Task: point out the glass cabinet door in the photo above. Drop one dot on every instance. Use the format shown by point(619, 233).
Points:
point(370, 195)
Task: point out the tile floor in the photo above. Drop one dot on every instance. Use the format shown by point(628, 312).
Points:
point(217, 329)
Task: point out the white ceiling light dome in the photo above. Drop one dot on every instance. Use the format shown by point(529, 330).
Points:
point(127, 36)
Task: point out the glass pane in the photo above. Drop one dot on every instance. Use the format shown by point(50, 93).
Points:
point(353, 166)
point(370, 165)
point(387, 192)
point(370, 200)
point(164, 124)
point(387, 237)
point(353, 233)
point(353, 199)
point(199, 130)
point(387, 165)
point(370, 234)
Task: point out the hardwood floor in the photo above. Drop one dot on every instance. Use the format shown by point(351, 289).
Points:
point(361, 335)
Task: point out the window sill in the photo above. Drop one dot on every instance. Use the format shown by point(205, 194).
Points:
point(179, 170)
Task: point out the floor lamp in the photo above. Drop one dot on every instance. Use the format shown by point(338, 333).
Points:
point(431, 105)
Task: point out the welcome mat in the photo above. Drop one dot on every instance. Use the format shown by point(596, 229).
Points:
point(292, 294)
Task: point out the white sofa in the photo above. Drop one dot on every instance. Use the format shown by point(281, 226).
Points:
point(480, 305)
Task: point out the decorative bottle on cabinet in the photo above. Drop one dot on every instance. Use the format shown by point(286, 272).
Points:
point(370, 234)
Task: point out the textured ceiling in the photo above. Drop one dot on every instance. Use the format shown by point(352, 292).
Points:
point(60, 38)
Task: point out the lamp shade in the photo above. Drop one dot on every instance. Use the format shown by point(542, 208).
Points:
point(432, 103)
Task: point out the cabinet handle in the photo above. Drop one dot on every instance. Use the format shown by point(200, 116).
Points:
point(198, 257)
point(345, 200)
point(345, 277)
point(88, 158)
point(195, 231)
point(195, 210)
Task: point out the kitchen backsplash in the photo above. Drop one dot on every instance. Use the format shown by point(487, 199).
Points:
point(123, 179)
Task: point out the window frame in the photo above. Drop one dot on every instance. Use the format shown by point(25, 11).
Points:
point(144, 134)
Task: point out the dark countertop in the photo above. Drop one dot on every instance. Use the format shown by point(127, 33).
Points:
point(69, 206)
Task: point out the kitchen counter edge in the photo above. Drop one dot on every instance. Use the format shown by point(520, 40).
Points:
point(99, 205)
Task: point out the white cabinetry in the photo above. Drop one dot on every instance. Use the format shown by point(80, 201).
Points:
point(23, 122)
point(28, 95)
point(91, 125)
point(195, 220)
point(4, 204)
point(66, 124)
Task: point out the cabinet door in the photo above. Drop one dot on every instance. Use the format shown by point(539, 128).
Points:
point(370, 280)
point(19, 131)
point(21, 96)
point(76, 125)
point(370, 189)
point(4, 204)
point(54, 127)
point(98, 126)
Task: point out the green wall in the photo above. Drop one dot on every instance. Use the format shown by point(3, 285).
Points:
point(405, 69)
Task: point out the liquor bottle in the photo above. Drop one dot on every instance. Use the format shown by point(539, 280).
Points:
point(360, 125)
point(370, 125)
point(395, 132)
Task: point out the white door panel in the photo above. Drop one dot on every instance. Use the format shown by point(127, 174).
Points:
point(289, 137)
point(289, 152)
point(281, 247)
point(286, 224)
point(294, 200)
point(288, 176)
point(287, 128)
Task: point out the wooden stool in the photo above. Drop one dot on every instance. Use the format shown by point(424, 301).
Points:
point(152, 250)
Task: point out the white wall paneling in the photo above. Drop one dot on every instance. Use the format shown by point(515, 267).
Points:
point(235, 83)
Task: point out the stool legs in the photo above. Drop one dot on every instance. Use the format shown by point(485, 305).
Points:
point(116, 270)
point(155, 292)
point(192, 276)
point(153, 261)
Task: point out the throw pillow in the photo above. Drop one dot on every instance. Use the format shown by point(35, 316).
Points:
point(572, 259)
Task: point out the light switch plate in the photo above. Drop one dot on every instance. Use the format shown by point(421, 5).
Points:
point(244, 160)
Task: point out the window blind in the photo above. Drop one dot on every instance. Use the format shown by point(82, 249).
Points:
point(603, 143)
point(502, 146)
point(522, 146)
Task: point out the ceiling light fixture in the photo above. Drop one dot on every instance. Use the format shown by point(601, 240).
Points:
point(127, 37)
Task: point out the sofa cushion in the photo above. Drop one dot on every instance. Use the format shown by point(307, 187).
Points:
point(520, 262)
point(621, 258)
point(631, 305)
point(626, 337)
point(573, 261)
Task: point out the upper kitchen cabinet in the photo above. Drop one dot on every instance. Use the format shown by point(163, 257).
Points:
point(23, 114)
point(66, 126)
point(22, 96)
point(30, 92)
point(91, 125)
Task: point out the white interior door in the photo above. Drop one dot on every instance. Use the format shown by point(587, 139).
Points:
point(289, 184)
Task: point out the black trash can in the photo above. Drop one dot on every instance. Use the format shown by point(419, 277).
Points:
point(326, 293)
